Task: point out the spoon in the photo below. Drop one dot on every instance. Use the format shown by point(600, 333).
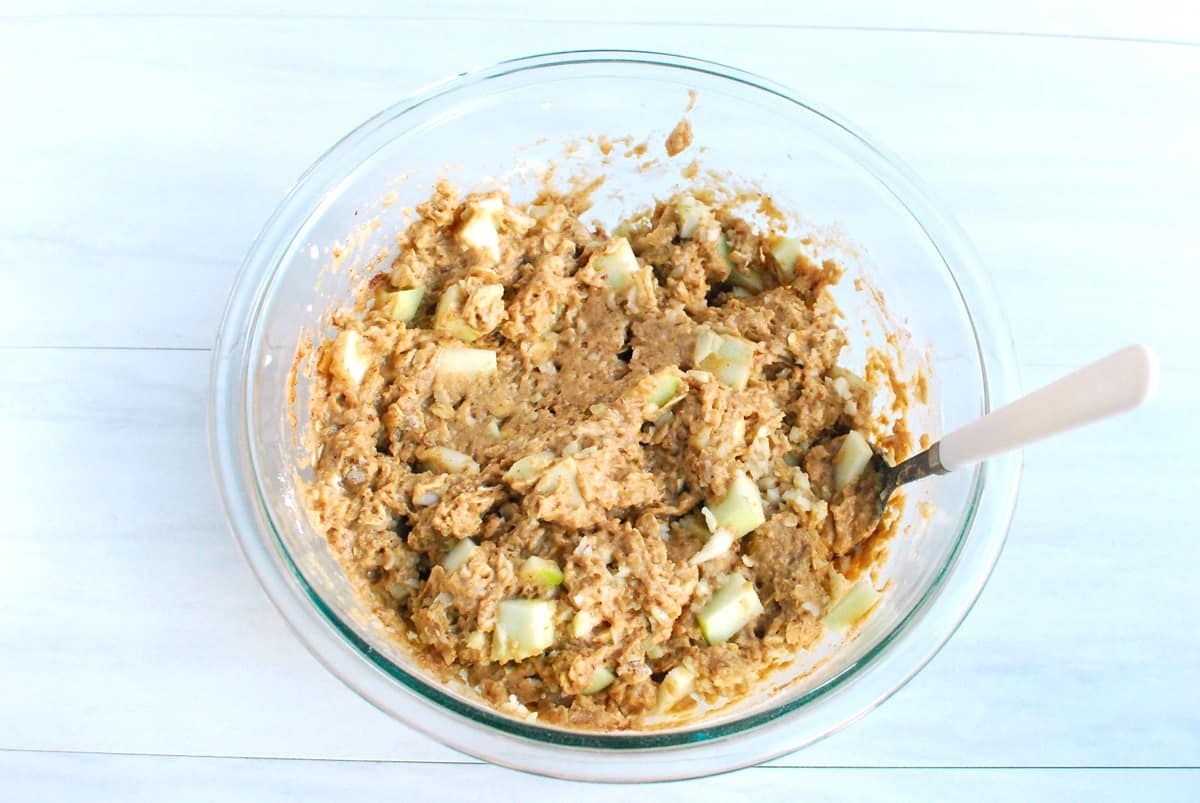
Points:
point(1115, 384)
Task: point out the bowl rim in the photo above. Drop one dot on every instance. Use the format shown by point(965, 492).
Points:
point(692, 751)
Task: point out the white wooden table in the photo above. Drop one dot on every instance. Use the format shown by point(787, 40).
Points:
point(143, 143)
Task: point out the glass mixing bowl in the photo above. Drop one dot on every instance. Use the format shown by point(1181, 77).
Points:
point(507, 123)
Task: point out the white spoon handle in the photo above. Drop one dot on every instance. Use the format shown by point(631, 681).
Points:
point(1119, 382)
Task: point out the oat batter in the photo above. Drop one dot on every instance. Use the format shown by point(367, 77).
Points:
point(597, 476)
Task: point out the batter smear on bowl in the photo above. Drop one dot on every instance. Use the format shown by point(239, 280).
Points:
point(598, 476)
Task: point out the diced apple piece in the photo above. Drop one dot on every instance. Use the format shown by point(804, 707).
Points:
point(400, 305)
point(734, 359)
point(480, 232)
point(349, 358)
point(708, 343)
point(851, 460)
point(736, 356)
point(747, 280)
point(723, 247)
point(787, 250)
point(659, 391)
point(729, 358)
point(448, 315)
point(583, 623)
point(539, 211)
point(617, 263)
point(447, 460)
point(666, 388)
point(717, 544)
point(741, 509)
point(853, 605)
point(678, 684)
point(458, 329)
point(541, 572)
point(529, 467)
point(838, 586)
point(459, 362)
point(689, 211)
point(458, 555)
point(524, 628)
point(602, 678)
point(730, 609)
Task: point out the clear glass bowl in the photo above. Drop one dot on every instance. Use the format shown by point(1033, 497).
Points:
point(502, 122)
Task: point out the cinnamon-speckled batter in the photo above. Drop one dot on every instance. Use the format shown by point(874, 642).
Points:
point(636, 395)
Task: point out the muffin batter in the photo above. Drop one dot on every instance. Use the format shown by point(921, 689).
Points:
point(597, 476)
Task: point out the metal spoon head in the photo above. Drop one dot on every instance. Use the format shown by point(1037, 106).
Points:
point(892, 477)
point(888, 481)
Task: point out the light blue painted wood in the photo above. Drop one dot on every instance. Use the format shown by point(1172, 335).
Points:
point(1159, 20)
point(148, 152)
point(32, 778)
point(143, 153)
